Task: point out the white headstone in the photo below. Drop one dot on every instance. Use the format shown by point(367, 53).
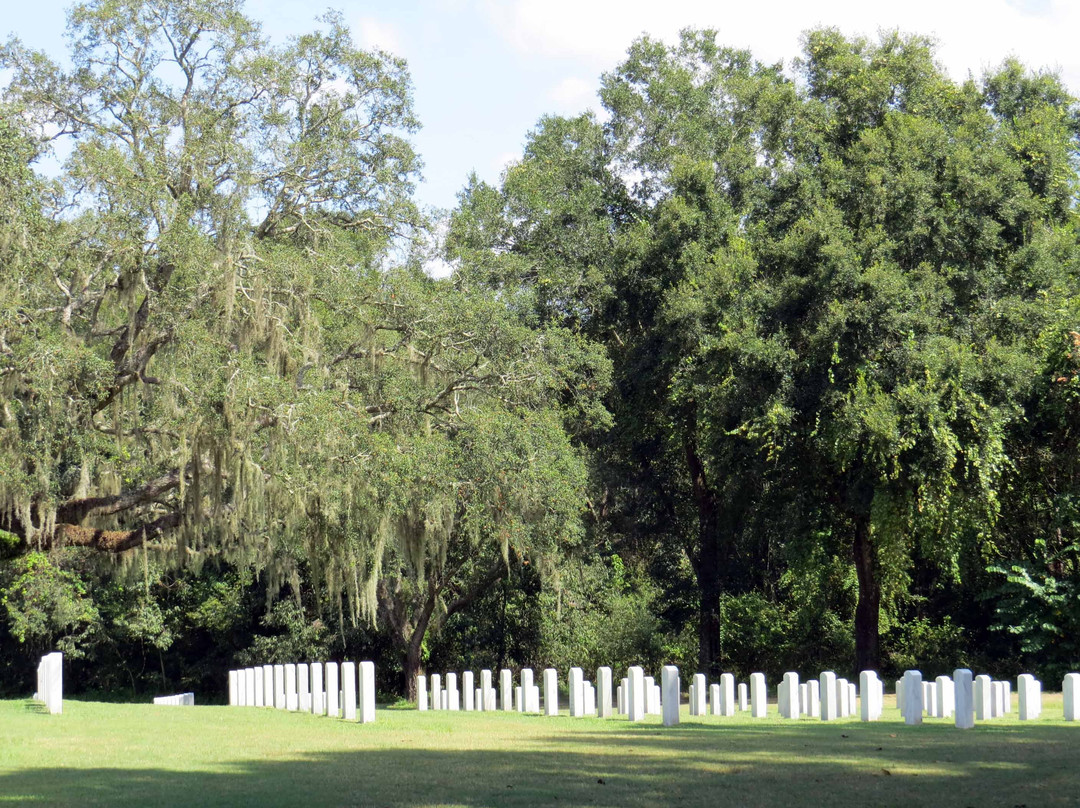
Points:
point(348, 690)
point(790, 707)
point(577, 693)
point(868, 686)
point(945, 697)
point(759, 695)
point(249, 681)
point(268, 685)
point(436, 691)
point(318, 689)
point(421, 692)
point(744, 697)
point(829, 708)
point(241, 688)
point(701, 689)
point(367, 692)
point(1070, 692)
point(714, 700)
point(727, 694)
point(635, 696)
point(54, 682)
point(234, 689)
point(669, 678)
point(1026, 693)
point(603, 684)
point(467, 688)
point(853, 698)
point(984, 699)
point(842, 703)
point(526, 688)
point(333, 707)
point(279, 687)
point(651, 707)
point(620, 698)
point(551, 692)
point(590, 698)
point(506, 690)
point(453, 695)
point(814, 688)
point(519, 700)
point(292, 695)
point(963, 698)
point(913, 695)
point(997, 699)
point(487, 689)
point(1007, 687)
point(303, 678)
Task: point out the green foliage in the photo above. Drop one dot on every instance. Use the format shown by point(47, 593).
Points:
point(1038, 603)
point(936, 648)
point(826, 298)
point(295, 637)
point(47, 607)
point(601, 613)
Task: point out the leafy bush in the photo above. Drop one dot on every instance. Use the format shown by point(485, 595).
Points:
point(1038, 603)
point(47, 607)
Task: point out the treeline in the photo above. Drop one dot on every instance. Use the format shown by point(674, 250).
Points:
point(770, 369)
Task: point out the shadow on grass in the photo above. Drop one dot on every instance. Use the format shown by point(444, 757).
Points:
point(648, 766)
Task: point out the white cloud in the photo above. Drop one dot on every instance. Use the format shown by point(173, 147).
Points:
point(373, 33)
point(973, 34)
point(573, 94)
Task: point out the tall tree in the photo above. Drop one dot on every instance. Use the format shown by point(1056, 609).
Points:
point(183, 125)
point(820, 297)
point(211, 356)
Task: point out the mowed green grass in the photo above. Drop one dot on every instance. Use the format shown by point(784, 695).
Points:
point(142, 755)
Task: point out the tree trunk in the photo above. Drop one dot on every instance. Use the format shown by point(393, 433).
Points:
point(415, 643)
point(706, 565)
point(868, 608)
point(412, 668)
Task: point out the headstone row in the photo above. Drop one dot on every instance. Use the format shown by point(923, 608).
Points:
point(435, 692)
point(179, 700)
point(969, 698)
point(50, 682)
point(965, 697)
point(339, 691)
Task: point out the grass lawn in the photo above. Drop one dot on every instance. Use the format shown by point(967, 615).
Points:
point(142, 755)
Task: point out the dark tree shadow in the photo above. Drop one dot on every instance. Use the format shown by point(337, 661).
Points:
point(693, 764)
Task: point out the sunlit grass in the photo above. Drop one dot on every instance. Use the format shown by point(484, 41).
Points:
point(128, 755)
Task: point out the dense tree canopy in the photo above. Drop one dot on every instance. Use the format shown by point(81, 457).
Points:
point(828, 298)
point(205, 356)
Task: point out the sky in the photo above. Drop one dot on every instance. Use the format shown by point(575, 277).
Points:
point(485, 71)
